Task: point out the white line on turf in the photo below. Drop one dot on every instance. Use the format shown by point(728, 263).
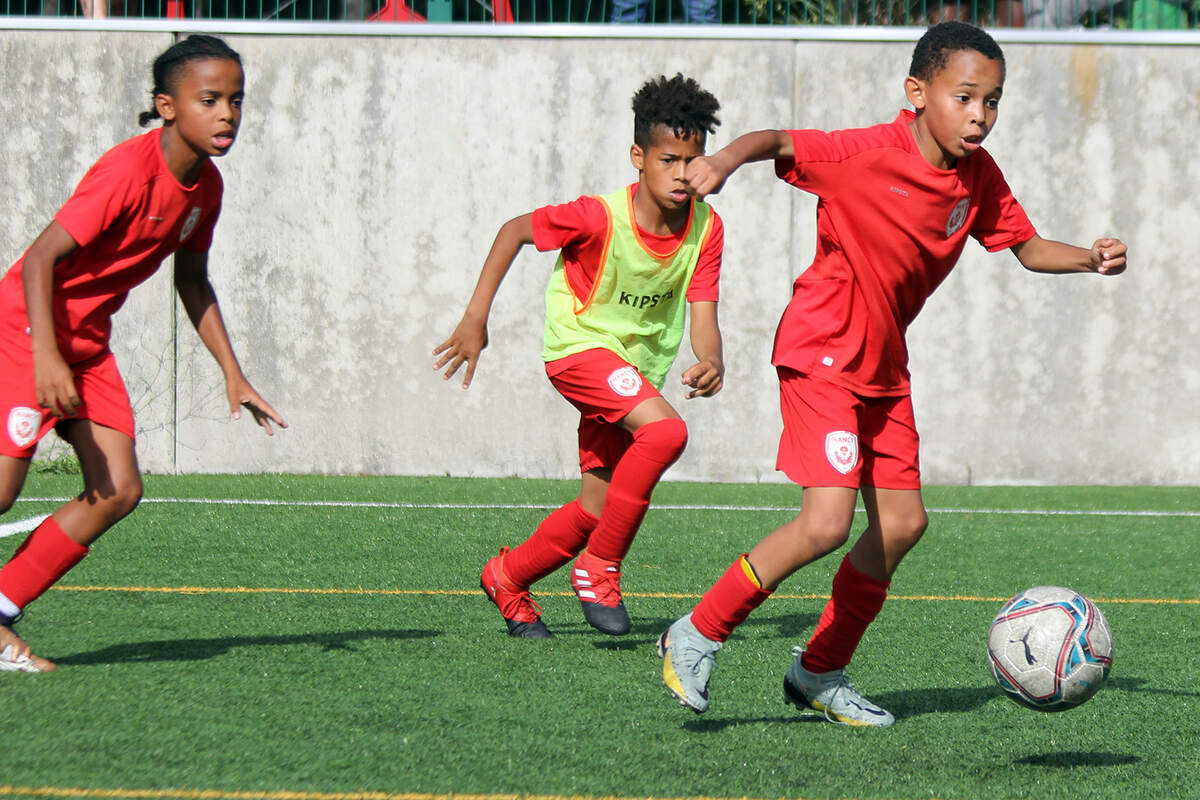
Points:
point(1050, 512)
point(21, 526)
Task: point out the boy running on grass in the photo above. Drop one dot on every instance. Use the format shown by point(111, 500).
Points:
point(146, 198)
point(896, 204)
point(629, 264)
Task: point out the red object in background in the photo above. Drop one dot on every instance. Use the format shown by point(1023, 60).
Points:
point(398, 11)
point(394, 11)
point(175, 9)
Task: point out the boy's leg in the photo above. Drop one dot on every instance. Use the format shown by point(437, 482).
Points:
point(14, 653)
point(896, 519)
point(112, 488)
point(688, 647)
point(12, 478)
point(636, 434)
point(559, 538)
point(659, 438)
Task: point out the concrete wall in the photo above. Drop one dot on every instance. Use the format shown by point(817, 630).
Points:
point(372, 173)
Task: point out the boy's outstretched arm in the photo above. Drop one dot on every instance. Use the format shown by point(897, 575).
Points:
point(1106, 256)
point(707, 174)
point(707, 376)
point(470, 336)
point(200, 302)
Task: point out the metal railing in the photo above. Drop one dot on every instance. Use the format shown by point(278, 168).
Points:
point(1031, 14)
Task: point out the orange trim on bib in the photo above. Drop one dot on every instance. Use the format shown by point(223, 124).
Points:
point(637, 233)
point(608, 235)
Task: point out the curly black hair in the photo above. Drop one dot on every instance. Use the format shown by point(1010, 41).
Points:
point(677, 103)
point(169, 65)
point(935, 47)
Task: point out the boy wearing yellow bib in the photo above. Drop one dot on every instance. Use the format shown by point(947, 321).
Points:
point(630, 265)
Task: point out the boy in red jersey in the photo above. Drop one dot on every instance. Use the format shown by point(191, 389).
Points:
point(896, 204)
point(629, 263)
point(146, 198)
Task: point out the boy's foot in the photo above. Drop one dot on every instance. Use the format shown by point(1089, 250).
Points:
point(597, 584)
point(832, 694)
point(15, 655)
point(689, 658)
point(520, 612)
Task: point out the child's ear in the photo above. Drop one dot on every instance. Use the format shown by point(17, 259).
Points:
point(914, 90)
point(637, 157)
point(164, 104)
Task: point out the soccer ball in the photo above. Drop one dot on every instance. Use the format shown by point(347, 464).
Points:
point(1050, 648)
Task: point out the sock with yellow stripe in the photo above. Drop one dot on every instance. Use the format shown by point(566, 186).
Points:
point(730, 600)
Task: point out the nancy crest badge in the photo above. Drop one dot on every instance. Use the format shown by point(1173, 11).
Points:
point(625, 381)
point(23, 424)
point(841, 448)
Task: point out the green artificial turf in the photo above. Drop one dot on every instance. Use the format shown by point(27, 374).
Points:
point(389, 672)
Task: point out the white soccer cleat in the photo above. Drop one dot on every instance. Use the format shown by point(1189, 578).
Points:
point(689, 658)
point(832, 694)
point(15, 655)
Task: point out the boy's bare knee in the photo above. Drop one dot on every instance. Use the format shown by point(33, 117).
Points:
point(118, 499)
point(907, 528)
point(128, 495)
point(825, 533)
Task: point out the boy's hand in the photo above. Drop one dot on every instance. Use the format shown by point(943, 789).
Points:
point(464, 346)
point(1108, 256)
point(705, 175)
point(55, 385)
point(706, 378)
point(242, 395)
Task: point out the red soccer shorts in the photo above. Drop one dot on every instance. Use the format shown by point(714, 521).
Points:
point(834, 437)
point(605, 388)
point(101, 390)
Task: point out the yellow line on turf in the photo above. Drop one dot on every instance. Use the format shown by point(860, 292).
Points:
point(217, 794)
point(930, 598)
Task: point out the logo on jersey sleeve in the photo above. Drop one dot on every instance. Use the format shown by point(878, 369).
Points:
point(841, 448)
point(189, 224)
point(23, 424)
point(958, 216)
point(625, 381)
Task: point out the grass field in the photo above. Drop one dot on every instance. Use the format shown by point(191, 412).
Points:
point(325, 639)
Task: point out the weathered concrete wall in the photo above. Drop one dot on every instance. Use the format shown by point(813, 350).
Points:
point(371, 175)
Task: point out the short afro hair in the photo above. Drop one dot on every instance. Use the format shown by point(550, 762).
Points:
point(940, 41)
point(677, 103)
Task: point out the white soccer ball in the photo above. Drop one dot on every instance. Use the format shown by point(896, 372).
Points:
point(1050, 648)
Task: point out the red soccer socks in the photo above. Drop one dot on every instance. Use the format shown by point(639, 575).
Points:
point(855, 602)
point(42, 559)
point(730, 600)
point(655, 447)
point(556, 541)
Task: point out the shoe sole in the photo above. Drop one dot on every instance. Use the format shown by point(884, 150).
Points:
point(594, 613)
point(673, 684)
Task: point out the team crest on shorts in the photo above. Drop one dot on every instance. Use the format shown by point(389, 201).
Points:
point(841, 448)
point(958, 216)
point(23, 424)
point(625, 381)
point(189, 224)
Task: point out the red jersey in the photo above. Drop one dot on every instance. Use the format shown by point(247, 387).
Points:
point(890, 227)
point(579, 229)
point(126, 216)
